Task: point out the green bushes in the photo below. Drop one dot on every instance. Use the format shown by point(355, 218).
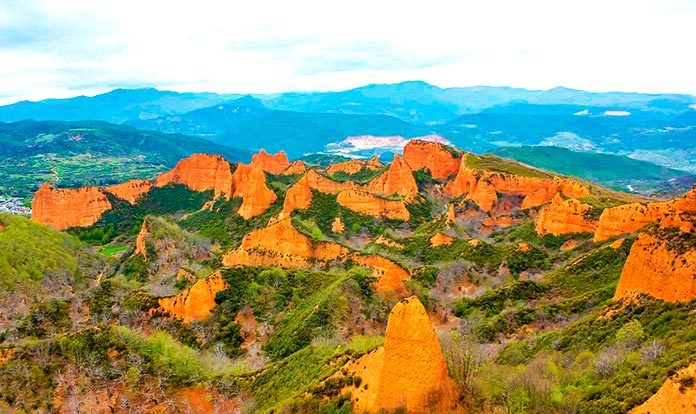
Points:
point(125, 218)
point(493, 301)
point(45, 319)
point(30, 252)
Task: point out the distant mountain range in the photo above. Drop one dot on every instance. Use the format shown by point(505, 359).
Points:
point(659, 128)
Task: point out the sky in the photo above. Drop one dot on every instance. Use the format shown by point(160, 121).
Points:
point(63, 48)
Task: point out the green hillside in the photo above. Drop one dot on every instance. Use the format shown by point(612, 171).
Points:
point(614, 171)
point(90, 153)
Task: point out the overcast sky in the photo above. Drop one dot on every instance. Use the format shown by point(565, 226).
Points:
point(69, 47)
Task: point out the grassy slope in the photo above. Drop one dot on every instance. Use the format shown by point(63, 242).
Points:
point(30, 252)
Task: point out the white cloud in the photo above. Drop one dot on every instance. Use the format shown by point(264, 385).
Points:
point(80, 46)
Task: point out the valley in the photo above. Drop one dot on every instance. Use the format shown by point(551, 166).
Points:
point(437, 280)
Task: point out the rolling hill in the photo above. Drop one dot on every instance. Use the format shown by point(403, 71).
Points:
point(89, 153)
point(613, 171)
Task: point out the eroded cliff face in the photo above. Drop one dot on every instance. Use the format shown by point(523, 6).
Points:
point(249, 182)
point(629, 218)
point(661, 266)
point(140, 247)
point(390, 276)
point(272, 163)
point(201, 172)
point(327, 185)
point(563, 216)
point(295, 167)
point(432, 156)
point(68, 207)
point(397, 179)
point(409, 372)
point(298, 196)
point(354, 166)
point(367, 203)
point(197, 302)
point(131, 190)
point(677, 395)
point(280, 244)
point(480, 186)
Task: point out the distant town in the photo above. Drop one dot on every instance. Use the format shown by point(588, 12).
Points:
point(13, 205)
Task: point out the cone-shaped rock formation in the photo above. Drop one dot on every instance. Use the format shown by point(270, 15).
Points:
point(409, 372)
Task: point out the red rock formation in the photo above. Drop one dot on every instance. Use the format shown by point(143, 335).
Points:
point(390, 276)
point(272, 163)
point(327, 185)
point(653, 268)
point(354, 166)
point(249, 182)
point(295, 167)
point(536, 190)
point(676, 395)
point(484, 195)
point(197, 302)
point(441, 161)
point(564, 217)
point(337, 226)
point(298, 196)
point(67, 207)
point(201, 172)
point(451, 215)
point(201, 400)
point(629, 218)
point(388, 242)
point(131, 190)
point(440, 239)
point(140, 247)
point(398, 179)
point(366, 203)
point(409, 372)
point(280, 244)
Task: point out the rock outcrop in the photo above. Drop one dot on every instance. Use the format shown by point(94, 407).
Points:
point(131, 190)
point(409, 372)
point(249, 183)
point(367, 203)
point(68, 207)
point(397, 179)
point(298, 196)
point(201, 172)
point(390, 276)
point(280, 244)
point(295, 167)
point(327, 185)
point(337, 226)
point(439, 160)
point(480, 186)
point(629, 218)
point(656, 268)
point(140, 247)
point(564, 216)
point(272, 163)
point(354, 166)
point(440, 239)
point(676, 395)
point(197, 302)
